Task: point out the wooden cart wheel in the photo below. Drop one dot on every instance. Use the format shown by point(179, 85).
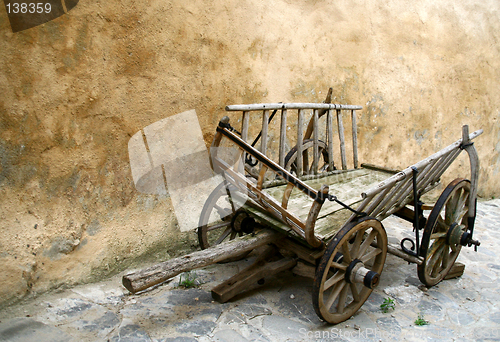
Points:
point(349, 270)
point(219, 221)
point(443, 231)
point(307, 158)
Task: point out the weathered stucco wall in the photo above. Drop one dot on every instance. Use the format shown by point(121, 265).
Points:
point(74, 90)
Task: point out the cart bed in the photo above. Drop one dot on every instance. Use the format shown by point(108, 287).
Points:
point(346, 185)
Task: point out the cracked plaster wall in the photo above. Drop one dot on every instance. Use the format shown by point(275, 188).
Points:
point(74, 90)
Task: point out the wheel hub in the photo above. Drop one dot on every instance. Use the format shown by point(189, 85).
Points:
point(242, 222)
point(356, 272)
point(454, 235)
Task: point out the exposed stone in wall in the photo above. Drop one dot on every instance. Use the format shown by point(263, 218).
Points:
point(74, 90)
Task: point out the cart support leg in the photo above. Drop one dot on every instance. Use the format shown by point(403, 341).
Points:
point(252, 276)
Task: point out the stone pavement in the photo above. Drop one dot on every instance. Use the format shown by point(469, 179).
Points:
point(465, 309)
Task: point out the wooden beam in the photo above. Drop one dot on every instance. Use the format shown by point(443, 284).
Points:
point(315, 142)
point(251, 276)
point(141, 280)
point(354, 139)
point(342, 140)
point(329, 130)
point(282, 144)
point(300, 142)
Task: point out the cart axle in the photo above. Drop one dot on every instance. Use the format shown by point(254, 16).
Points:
point(357, 273)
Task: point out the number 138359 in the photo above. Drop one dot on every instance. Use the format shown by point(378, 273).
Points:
point(32, 8)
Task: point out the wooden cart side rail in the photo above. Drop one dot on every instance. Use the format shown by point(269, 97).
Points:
point(268, 162)
point(267, 202)
point(312, 131)
point(404, 173)
point(395, 192)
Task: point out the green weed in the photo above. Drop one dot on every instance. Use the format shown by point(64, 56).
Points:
point(420, 320)
point(387, 305)
point(189, 280)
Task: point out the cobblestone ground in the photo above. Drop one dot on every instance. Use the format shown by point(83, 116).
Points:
point(465, 308)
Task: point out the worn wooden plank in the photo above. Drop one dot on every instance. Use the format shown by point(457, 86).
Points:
point(282, 144)
point(395, 250)
point(304, 253)
point(380, 168)
point(315, 142)
point(304, 270)
point(346, 185)
point(265, 128)
point(329, 132)
point(342, 140)
point(245, 122)
point(300, 142)
point(457, 270)
point(272, 106)
point(354, 139)
point(143, 279)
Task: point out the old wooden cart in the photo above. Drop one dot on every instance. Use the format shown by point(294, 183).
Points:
point(308, 196)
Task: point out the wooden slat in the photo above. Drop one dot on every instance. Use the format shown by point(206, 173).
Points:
point(377, 202)
point(404, 173)
point(315, 142)
point(282, 144)
point(438, 167)
point(354, 139)
point(263, 138)
point(265, 128)
point(329, 131)
point(342, 140)
point(267, 202)
point(300, 142)
point(406, 194)
point(262, 175)
point(286, 195)
point(244, 125)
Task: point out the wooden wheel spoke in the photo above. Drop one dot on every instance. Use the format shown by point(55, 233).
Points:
point(335, 293)
point(221, 209)
point(218, 226)
point(460, 214)
point(462, 203)
point(436, 260)
point(441, 225)
point(369, 239)
point(438, 235)
point(347, 253)
point(339, 266)
point(451, 207)
point(342, 300)
point(436, 268)
point(355, 292)
point(446, 256)
point(338, 276)
point(370, 255)
point(224, 235)
point(357, 243)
